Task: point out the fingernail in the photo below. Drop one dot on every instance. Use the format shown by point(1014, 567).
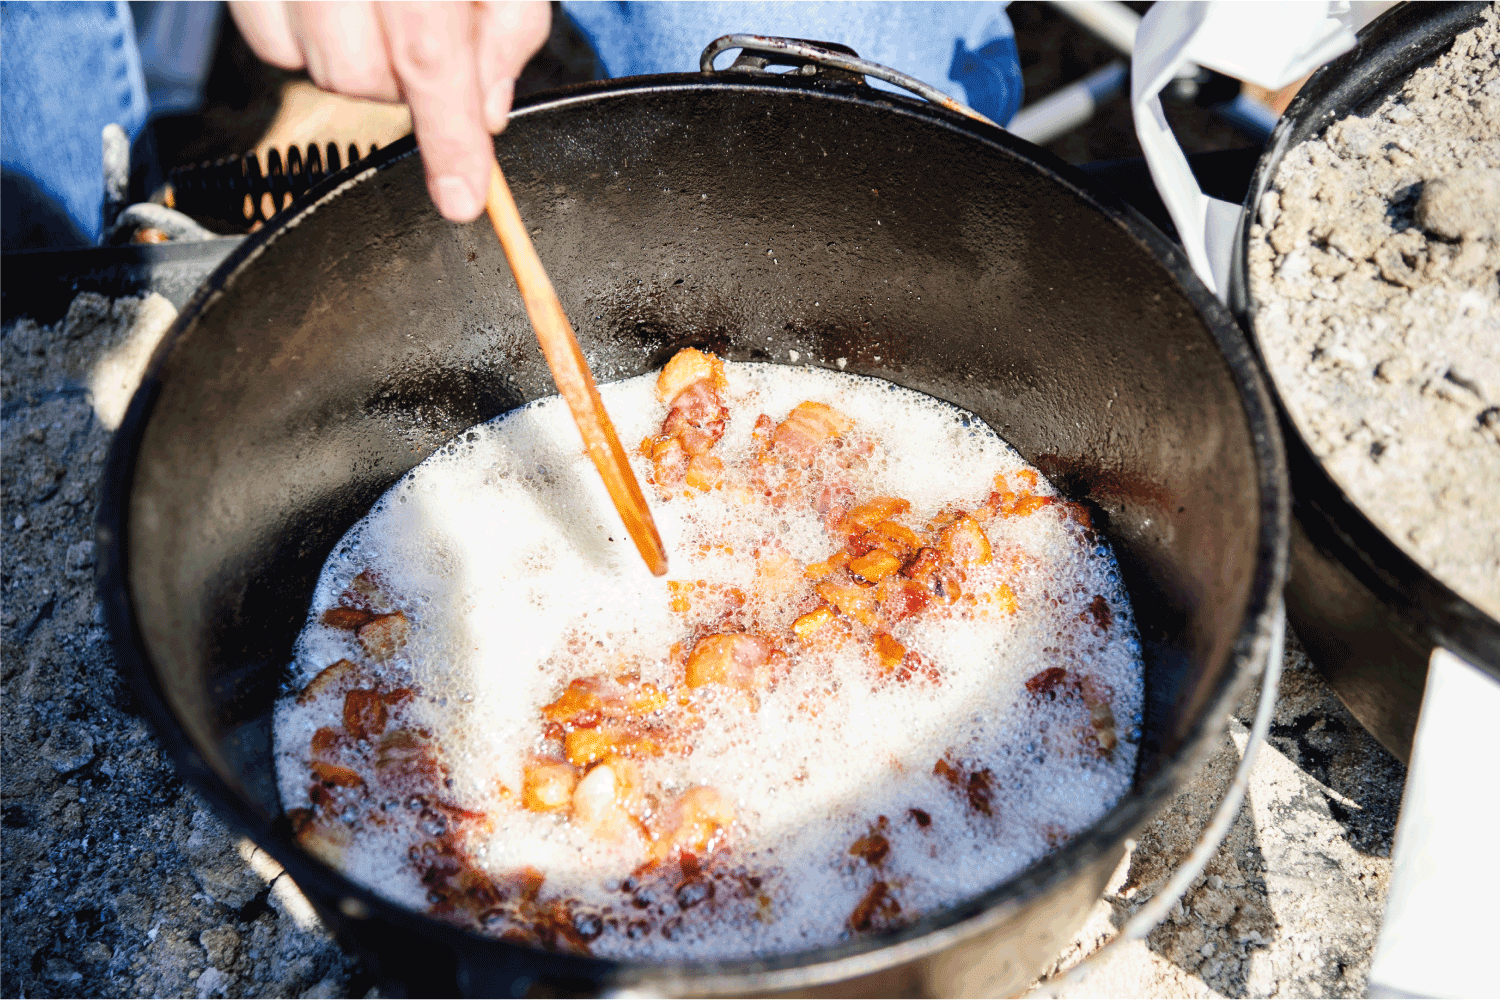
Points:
point(496, 103)
point(454, 198)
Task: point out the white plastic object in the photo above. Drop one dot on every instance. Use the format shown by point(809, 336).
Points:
point(1270, 44)
point(1437, 934)
point(1061, 112)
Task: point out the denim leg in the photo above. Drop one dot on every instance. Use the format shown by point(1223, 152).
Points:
point(66, 71)
point(967, 50)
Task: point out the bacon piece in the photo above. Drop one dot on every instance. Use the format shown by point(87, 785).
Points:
point(964, 542)
point(696, 418)
point(367, 587)
point(805, 430)
point(326, 743)
point(888, 653)
point(364, 713)
point(897, 539)
point(761, 434)
point(606, 799)
point(872, 512)
point(934, 574)
point(835, 562)
point(704, 472)
point(1046, 680)
point(585, 746)
point(348, 619)
point(696, 823)
point(669, 461)
point(873, 847)
point(687, 367)
point(332, 775)
point(878, 907)
point(454, 883)
point(403, 752)
point(384, 635)
point(853, 600)
point(338, 672)
point(901, 598)
point(734, 659)
point(874, 566)
point(587, 700)
point(811, 622)
point(977, 786)
point(547, 786)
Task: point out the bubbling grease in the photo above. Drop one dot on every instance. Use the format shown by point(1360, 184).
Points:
point(861, 799)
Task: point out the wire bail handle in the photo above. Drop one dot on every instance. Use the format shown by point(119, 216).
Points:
point(838, 62)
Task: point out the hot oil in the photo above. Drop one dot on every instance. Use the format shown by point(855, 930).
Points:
point(517, 577)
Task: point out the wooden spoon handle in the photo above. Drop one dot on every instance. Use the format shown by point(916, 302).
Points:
point(571, 373)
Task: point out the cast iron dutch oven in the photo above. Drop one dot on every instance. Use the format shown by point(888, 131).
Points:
point(753, 216)
point(1367, 613)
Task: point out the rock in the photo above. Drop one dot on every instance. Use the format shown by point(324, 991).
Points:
point(68, 748)
point(1462, 205)
point(216, 862)
point(221, 945)
point(212, 983)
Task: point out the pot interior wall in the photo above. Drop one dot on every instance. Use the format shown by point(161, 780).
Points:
point(755, 220)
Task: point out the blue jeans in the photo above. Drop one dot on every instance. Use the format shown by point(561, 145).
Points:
point(967, 50)
point(66, 71)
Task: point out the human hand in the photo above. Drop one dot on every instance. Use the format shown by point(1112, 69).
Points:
point(454, 64)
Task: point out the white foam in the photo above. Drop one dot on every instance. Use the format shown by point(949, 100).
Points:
point(504, 549)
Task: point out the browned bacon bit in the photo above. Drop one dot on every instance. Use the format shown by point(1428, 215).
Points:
point(328, 679)
point(348, 619)
point(366, 588)
point(325, 742)
point(1078, 512)
point(735, 659)
point(1099, 609)
point(806, 429)
point(877, 908)
point(331, 775)
point(922, 816)
point(977, 786)
point(455, 885)
point(364, 713)
point(1046, 681)
point(404, 752)
point(873, 846)
point(1055, 681)
point(384, 635)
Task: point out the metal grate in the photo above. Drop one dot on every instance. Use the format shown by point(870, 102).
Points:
point(235, 195)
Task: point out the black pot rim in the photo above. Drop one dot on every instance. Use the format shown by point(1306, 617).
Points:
point(1400, 39)
point(340, 897)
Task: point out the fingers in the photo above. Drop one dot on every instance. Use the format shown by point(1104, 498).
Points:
point(509, 33)
point(264, 26)
point(344, 48)
point(432, 50)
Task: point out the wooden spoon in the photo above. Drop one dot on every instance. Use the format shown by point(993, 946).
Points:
point(571, 373)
